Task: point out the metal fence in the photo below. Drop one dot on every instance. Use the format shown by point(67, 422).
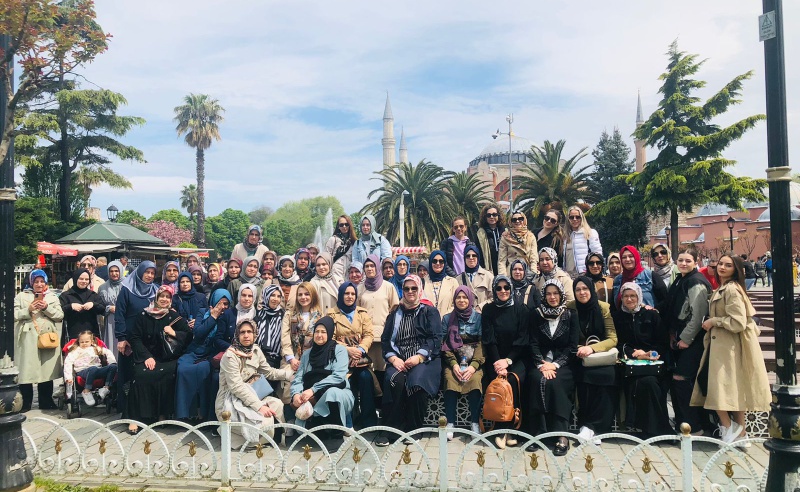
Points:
point(81, 449)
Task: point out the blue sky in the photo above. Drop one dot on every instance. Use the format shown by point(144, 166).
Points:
point(304, 84)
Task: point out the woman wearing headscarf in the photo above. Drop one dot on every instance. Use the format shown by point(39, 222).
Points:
point(549, 270)
point(89, 263)
point(411, 342)
point(287, 279)
point(269, 321)
point(477, 278)
point(490, 228)
point(597, 386)
point(401, 266)
point(603, 284)
point(505, 339)
point(213, 275)
point(340, 245)
point(355, 273)
point(640, 334)
point(378, 298)
point(231, 280)
point(614, 266)
point(169, 275)
point(554, 344)
point(251, 245)
point(188, 303)
point(653, 288)
point(321, 378)
point(463, 358)
point(269, 260)
point(193, 259)
point(525, 293)
point(198, 279)
point(152, 391)
point(439, 288)
point(197, 382)
point(580, 241)
point(37, 311)
point(326, 282)
point(243, 390)
point(423, 270)
point(370, 242)
point(663, 266)
point(387, 269)
point(303, 265)
point(109, 292)
point(137, 292)
point(517, 242)
point(251, 274)
point(353, 330)
point(81, 306)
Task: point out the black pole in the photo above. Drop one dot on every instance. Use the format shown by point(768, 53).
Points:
point(784, 447)
point(731, 232)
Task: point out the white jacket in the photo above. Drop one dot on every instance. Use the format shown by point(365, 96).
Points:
point(580, 248)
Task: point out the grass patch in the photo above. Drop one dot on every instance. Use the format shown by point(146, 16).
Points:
point(50, 485)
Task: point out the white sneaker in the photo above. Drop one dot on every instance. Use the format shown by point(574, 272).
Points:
point(738, 442)
point(88, 398)
point(476, 428)
point(450, 433)
point(586, 433)
point(733, 432)
point(103, 392)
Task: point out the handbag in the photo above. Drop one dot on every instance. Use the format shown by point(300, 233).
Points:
point(639, 368)
point(598, 359)
point(217, 360)
point(261, 386)
point(365, 360)
point(173, 345)
point(498, 402)
point(47, 340)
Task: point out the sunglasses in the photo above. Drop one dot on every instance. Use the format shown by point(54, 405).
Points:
point(660, 253)
point(471, 256)
point(574, 217)
point(410, 289)
point(595, 263)
point(344, 224)
point(86, 265)
point(500, 288)
point(493, 215)
point(459, 227)
point(517, 219)
point(551, 220)
point(437, 262)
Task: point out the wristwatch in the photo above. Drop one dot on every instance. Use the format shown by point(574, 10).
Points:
point(509, 362)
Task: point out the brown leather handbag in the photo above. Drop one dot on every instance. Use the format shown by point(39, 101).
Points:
point(46, 341)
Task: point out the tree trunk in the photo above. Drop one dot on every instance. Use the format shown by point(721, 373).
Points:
point(63, 152)
point(675, 244)
point(201, 213)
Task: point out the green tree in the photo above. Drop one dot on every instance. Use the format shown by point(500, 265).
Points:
point(294, 223)
point(131, 217)
point(35, 220)
point(227, 229)
point(467, 194)
point(259, 215)
point(171, 215)
point(79, 129)
point(282, 235)
point(550, 180)
point(42, 181)
point(189, 200)
point(427, 204)
point(199, 118)
point(689, 169)
point(611, 160)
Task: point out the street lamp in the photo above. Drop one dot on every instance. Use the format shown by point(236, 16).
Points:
point(667, 230)
point(509, 119)
point(403, 218)
point(731, 223)
point(111, 213)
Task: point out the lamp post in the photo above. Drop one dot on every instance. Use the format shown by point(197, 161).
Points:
point(111, 213)
point(509, 119)
point(667, 230)
point(731, 223)
point(403, 218)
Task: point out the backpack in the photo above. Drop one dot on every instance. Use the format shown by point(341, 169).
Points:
point(498, 402)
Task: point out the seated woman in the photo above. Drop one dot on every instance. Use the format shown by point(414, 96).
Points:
point(189, 303)
point(525, 293)
point(243, 389)
point(196, 381)
point(269, 324)
point(554, 343)
point(463, 358)
point(152, 390)
point(321, 379)
point(597, 386)
point(411, 341)
point(639, 334)
point(354, 332)
point(81, 305)
point(288, 280)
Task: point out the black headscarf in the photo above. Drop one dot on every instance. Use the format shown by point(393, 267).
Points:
point(340, 300)
point(320, 355)
point(76, 294)
point(599, 277)
point(474, 249)
point(519, 286)
point(590, 316)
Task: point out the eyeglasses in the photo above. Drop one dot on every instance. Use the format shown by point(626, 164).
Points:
point(86, 265)
point(410, 289)
point(493, 215)
point(437, 262)
point(595, 263)
point(471, 256)
point(388, 267)
point(517, 219)
point(344, 224)
point(501, 288)
point(459, 227)
point(660, 252)
point(551, 220)
point(574, 217)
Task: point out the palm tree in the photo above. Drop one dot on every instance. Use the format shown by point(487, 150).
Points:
point(199, 119)
point(467, 194)
point(189, 200)
point(550, 181)
point(427, 204)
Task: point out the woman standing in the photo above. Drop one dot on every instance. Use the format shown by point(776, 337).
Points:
point(580, 240)
point(525, 293)
point(733, 378)
point(387, 269)
point(251, 245)
point(213, 276)
point(603, 285)
point(463, 359)
point(340, 246)
point(517, 243)
point(411, 340)
point(288, 280)
point(198, 278)
point(505, 339)
point(81, 305)
point(37, 311)
point(251, 274)
point(188, 303)
point(614, 266)
point(682, 314)
point(653, 288)
point(326, 283)
point(297, 333)
point(454, 245)
point(550, 235)
point(597, 386)
point(353, 330)
point(641, 336)
point(478, 279)
point(549, 270)
point(231, 280)
point(664, 267)
point(401, 266)
point(491, 228)
point(439, 288)
point(554, 343)
point(152, 392)
point(109, 292)
point(269, 261)
point(370, 242)
point(379, 298)
point(303, 264)
point(169, 275)
point(356, 273)
point(89, 263)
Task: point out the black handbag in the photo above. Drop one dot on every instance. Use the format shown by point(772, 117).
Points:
point(637, 369)
point(174, 346)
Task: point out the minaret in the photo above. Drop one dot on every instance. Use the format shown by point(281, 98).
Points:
point(403, 148)
point(641, 151)
point(388, 135)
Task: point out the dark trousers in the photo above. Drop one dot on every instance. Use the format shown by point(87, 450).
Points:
point(407, 412)
point(363, 387)
point(697, 417)
point(90, 374)
point(451, 399)
point(124, 378)
point(597, 406)
point(45, 390)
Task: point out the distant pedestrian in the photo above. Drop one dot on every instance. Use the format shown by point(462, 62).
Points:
point(768, 267)
point(761, 271)
point(750, 276)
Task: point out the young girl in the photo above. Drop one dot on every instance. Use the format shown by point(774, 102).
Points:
point(86, 359)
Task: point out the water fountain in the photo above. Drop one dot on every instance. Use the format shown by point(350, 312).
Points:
point(327, 226)
point(318, 238)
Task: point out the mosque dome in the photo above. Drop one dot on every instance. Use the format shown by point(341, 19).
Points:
point(764, 217)
point(496, 152)
point(713, 209)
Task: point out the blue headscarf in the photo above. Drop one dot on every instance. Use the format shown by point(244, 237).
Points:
point(474, 249)
point(138, 287)
point(31, 276)
point(397, 280)
point(340, 299)
point(217, 296)
point(186, 303)
point(437, 277)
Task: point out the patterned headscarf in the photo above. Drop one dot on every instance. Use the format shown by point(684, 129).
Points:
point(548, 311)
point(552, 254)
point(634, 287)
point(418, 282)
point(498, 302)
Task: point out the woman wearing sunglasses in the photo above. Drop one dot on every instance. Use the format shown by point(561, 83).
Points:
point(551, 234)
point(439, 287)
point(517, 243)
point(340, 246)
point(664, 266)
point(454, 247)
point(477, 278)
point(491, 228)
point(580, 241)
point(88, 263)
point(603, 284)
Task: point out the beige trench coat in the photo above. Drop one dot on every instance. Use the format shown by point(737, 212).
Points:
point(36, 365)
point(737, 375)
point(562, 277)
point(444, 300)
point(378, 305)
point(510, 250)
point(481, 285)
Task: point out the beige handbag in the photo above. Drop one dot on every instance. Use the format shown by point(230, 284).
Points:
point(608, 358)
point(46, 340)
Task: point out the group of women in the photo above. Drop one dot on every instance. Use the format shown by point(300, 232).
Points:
point(339, 335)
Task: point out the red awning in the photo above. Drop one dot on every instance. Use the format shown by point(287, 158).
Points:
point(55, 249)
point(410, 250)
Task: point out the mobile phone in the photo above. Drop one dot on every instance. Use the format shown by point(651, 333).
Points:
point(39, 296)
